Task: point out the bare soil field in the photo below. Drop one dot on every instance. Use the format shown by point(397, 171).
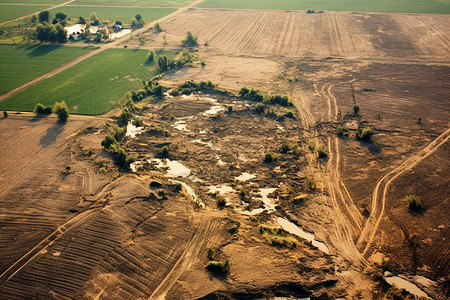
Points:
point(298, 34)
point(94, 231)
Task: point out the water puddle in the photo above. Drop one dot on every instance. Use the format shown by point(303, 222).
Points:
point(404, 284)
point(295, 230)
point(425, 281)
point(245, 177)
point(215, 109)
point(168, 95)
point(191, 192)
point(174, 168)
point(180, 125)
point(221, 189)
point(269, 205)
point(119, 34)
point(135, 165)
point(132, 130)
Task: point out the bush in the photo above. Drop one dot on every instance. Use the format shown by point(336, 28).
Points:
point(61, 110)
point(158, 27)
point(119, 132)
point(342, 131)
point(414, 203)
point(281, 100)
point(356, 109)
point(269, 157)
point(174, 92)
point(190, 41)
point(151, 56)
point(121, 157)
point(108, 141)
point(364, 134)
point(260, 108)
point(321, 151)
point(218, 267)
point(277, 237)
point(177, 187)
point(41, 109)
point(221, 202)
point(138, 122)
point(251, 94)
point(164, 152)
point(125, 116)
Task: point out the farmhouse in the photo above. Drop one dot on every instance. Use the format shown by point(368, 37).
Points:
point(117, 27)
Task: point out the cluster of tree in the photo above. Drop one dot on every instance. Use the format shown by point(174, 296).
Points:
point(190, 87)
point(60, 18)
point(151, 88)
point(312, 11)
point(51, 33)
point(60, 109)
point(137, 21)
point(122, 158)
point(190, 41)
point(166, 63)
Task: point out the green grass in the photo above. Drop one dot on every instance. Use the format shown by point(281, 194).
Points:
point(143, 3)
point(10, 12)
point(405, 6)
point(93, 86)
point(34, 1)
point(114, 13)
point(21, 64)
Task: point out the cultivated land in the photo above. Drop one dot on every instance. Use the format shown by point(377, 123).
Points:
point(403, 6)
point(141, 3)
point(20, 64)
point(76, 226)
point(93, 86)
point(9, 2)
point(10, 12)
point(125, 14)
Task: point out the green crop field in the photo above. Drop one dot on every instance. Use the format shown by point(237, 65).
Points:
point(404, 6)
point(33, 1)
point(21, 64)
point(142, 3)
point(114, 13)
point(10, 12)
point(93, 86)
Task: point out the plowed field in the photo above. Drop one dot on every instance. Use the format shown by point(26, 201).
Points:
point(296, 33)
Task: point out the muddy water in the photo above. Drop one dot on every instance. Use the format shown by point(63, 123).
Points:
point(191, 192)
point(221, 189)
point(269, 205)
point(132, 130)
point(174, 168)
point(209, 144)
point(245, 177)
point(294, 229)
point(215, 109)
point(404, 284)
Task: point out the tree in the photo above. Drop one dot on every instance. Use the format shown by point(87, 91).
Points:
point(118, 23)
point(163, 63)
point(33, 19)
point(150, 56)
point(61, 33)
point(81, 20)
point(44, 16)
point(158, 27)
point(93, 16)
point(29, 35)
point(60, 16)
point(190, 41)
point(364, 134)
point(356, 109)
point(138, 17)
point(61, 110)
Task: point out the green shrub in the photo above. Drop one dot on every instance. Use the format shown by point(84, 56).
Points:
point(158, 27)
point(121, 157)
point(364, 134)
point(42, 110)
point(190, 41)
point(177, 187)
point(108, 141)
point(311, 183)
point(277, 237)
point(151, 56)
point(342, 131)
point(290, 115)
point(260, 108)
point(356, 109)
point(221, 202)
point(125, 116)
point(210, 253)
point(218, 267)
point(414, 203)
point(251, 94)
point(138, 122)
point(174, 92)
point(269, 157)
point(321, 151)
point(312, 145)
point(164, 152)
point(119, 132)
point(61, 110)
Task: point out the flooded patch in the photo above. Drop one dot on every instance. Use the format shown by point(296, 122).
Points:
point(119, 34)
point(245, 177)
point(221, 189)
point(174, 168)
point(135, 165)
point(404, 284)
point(180, 125)
point(132, 130)
point(214, 110)
point(269, 205)
point(295, 230)
point(191, 192)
